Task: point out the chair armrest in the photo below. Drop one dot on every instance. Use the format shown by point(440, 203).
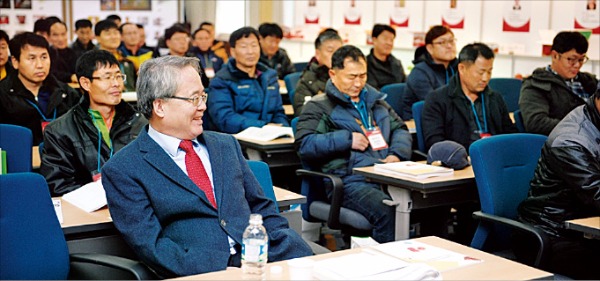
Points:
point(537, 233)
point(133, 268)
point(418, 155)
point(333, 220)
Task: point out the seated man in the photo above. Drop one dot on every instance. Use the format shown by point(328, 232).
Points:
point(30, 96)
point(183, 220)
point(210, 61)
point(221, 48)
point(334, 132)
point(5, 67)
point(83, 42)
point(271, 55)
point(177, 39)
point(64, 58)
point(130, 45)
point(78, 143)
point(466, 109)
point(551, 92)
point(382, 66)
point(109, 39)
point(433, 69)
point(566, 186)
point(245, 92)
point(315, 76)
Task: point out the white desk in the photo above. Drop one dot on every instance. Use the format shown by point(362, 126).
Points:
point(412, 193)
point(589, 226)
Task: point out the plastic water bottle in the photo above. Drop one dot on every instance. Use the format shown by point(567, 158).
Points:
point(255, 248)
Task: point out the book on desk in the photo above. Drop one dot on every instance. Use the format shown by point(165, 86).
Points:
point(413, 169)
point(266, 133)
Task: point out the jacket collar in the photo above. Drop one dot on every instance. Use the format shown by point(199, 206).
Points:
point(370, 95)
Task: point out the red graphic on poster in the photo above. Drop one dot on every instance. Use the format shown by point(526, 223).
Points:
point(517, 16)
point(311, 16)
point(595, 30)
point(458, 25)
point(587, 16)
point(352, 15)
point(454, 16)
point(398, 24)
point(507, 27)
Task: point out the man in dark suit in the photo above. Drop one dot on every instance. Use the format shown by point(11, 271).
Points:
point(184, 219)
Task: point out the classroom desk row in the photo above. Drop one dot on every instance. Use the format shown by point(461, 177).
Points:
point(491, 268)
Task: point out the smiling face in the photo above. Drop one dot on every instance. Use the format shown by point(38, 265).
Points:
point(567, 64)
point(33, 64)
point(180, 118)
point(104, 89)
point(109, 39)
point(474, 77)
point(246, 52)
point(352, 79)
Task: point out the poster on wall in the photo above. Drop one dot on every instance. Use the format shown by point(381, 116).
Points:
point(352, 15)
point(516, 16)
point(311, 14)
point(587, 15)
point(5, 4)
point(108, 5)
point(135, 5)
point(453, 16)
point(19, 15)
point(399, 16)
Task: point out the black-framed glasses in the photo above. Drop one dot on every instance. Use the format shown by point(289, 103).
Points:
point(445, 42)
point(195, 100)
point(573, 61)
point(119, 77)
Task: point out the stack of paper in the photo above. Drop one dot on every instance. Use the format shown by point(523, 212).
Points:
point(89, 197)
point(266, 133)
point(413, 169)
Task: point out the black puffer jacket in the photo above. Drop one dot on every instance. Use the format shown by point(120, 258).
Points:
point(70, 155)
point(566, 183)
point(311, 82)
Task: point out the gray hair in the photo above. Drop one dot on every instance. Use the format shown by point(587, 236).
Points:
point(159, 78)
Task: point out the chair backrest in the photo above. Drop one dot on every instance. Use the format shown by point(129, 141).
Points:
point(263, 175)
point(510, 88)
point(417, 109)
point(503, 167)
point(519, 121)
point(395, 94)
point(33, 244)
point(300, 66)
point(291, 81)
point(17, 141)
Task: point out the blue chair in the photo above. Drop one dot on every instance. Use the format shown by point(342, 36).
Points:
point(395, 94)
point(263, 175)
point(318, 208)
point(33, 246)
point(510, 88)
point(291, 81)
point(519, 121)
point(503, 167)
point(300, 66)
point(417, 109)
point(17, 141)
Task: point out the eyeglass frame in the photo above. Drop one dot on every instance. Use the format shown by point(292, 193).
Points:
point(572, 61)
point(195, 100)
point(112, 77)
point(445, 42)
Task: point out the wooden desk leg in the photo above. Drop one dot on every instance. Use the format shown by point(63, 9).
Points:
point(401, 197)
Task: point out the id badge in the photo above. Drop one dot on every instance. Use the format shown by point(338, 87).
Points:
point(376, 139)
point(44, 124)
point(210, 72)
point(484, 135)
point(96, 176)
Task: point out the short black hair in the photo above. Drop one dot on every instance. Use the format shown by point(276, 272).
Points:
point(205, 23)
point(243, 32)
point(83, 23)
point(139, 25)
point(4, 36)
point(41, 25)
point(270, 29)
point(435, 32)
point(176, 28)
point(471, 52)
point(104, 25)
point(326, 36)
point(380, 28)
point(55, 22)
point(568, 40)
point(347, 51)
point(52, 20)
point(113, 17)
point(26, 38)
point(93, 60)
point(122, 25)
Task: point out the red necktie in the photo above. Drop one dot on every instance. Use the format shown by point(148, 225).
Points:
point(196, 170)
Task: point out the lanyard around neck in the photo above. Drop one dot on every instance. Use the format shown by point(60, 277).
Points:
point(364, 113)
point(42, 114)
point(485, 127)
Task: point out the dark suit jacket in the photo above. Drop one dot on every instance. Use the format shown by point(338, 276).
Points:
point(169, 222)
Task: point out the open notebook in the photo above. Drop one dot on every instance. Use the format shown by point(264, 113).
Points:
point(266, 133)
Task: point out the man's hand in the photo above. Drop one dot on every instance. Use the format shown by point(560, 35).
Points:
point(390, 159)
point(359, 141)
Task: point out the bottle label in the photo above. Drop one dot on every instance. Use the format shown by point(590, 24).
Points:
point(254, 253)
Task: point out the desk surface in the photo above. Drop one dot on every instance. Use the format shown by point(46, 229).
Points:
point(412, 128)
point(492, 267)
point(286, 197)
point(589, 226)
point(262, 145)
point(35, 157)
point(464, 176)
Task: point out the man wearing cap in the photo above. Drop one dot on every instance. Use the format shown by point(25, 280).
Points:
point(466, 109)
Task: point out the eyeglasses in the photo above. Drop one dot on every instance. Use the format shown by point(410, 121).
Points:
point(117, 77)
point(195, 100)
point(573, 61)
point(445, 42)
